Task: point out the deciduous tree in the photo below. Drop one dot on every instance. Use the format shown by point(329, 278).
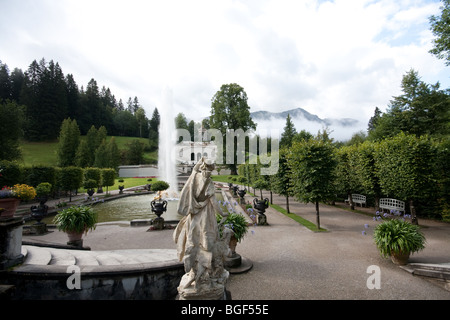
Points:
point(230, 111)
point(406, 170)
point(312, 165)
point(440, 26)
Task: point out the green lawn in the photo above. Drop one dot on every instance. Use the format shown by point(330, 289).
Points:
point(39, 153)
point(308, 224)
point(224, 178)
point(44, 153)
point(130, 182)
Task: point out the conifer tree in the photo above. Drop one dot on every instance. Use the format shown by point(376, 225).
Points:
point(113, 154)
point(69, 139)
point(11, 119)
point(287, 137)
point(83, 155)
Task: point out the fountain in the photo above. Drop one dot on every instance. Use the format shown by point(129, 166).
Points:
point(166, 148)
point(130, 274)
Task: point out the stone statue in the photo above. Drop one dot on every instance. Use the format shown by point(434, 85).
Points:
point(199, 244)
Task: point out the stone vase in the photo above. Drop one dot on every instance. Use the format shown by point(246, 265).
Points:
point(235, 259)
point(233, 243)
point(75, 239)
point(74, 236)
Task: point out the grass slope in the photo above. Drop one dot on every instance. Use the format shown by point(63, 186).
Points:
point(44, 153)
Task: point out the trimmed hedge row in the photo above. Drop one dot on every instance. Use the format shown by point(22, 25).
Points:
point(63, 179)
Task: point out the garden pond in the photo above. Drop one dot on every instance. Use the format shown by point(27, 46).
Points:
point(131, 208)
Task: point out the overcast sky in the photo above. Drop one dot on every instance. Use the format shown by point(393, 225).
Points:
point(335, 59)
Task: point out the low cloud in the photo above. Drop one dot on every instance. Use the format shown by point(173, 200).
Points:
point(337, 131)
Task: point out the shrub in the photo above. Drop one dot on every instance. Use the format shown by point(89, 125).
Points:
point(76, 219)
point(160, 186)
point(43, 189)
point(236, 222)
point(398, 236)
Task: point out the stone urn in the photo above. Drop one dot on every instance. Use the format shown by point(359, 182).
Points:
point(261, 206)
point(158, 208)
point(38, 213)
point(241, 194)
point(235, 189)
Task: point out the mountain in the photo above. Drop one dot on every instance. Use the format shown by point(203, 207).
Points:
point(340, 129)
point(302, 114)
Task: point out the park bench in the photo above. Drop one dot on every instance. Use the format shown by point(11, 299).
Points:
point(357, 198)
point(392, 204)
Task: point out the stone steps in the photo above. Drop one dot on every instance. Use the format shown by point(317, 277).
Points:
point(34, 255)
point(39, 257)
point(437, 273)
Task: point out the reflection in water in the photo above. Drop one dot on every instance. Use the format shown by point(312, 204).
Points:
point(130, 208)
point(133, 207)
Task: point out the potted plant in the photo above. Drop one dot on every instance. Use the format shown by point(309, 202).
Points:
point(43, 190)
point(8, 202)
point(397, 239)
point(75, 221)
point(11, 197)
point(237, 223)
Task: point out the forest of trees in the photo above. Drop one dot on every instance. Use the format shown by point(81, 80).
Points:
point(404, 155)
point(42, 97)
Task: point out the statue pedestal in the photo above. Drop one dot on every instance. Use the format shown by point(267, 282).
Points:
point(234, 261)
point(214, 291)
point(39, 228)
point(10, 242)
point(262, 219)
point(158, 223)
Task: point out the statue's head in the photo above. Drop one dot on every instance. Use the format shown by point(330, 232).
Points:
point(206, 167)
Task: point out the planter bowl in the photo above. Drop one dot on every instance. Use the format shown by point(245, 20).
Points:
point(400, 259)
point(74, 236)
point(10, 206)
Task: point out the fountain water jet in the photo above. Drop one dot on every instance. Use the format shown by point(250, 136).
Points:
point(166, 147)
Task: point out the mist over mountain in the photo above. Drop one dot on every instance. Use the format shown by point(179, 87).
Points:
point(340, 129)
